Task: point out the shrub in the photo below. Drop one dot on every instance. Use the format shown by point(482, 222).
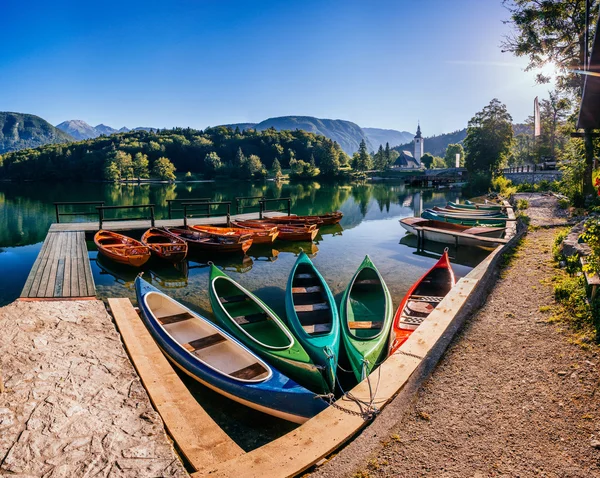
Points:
point(522, 204)
point(503, 186)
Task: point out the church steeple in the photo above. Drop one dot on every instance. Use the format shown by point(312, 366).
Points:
point(418, 145)
point(418, 135)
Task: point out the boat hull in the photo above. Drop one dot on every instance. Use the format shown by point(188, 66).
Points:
point(165, 245)
point(121, 249)
point(464, 220)
point(214, 243)
point(446, 233)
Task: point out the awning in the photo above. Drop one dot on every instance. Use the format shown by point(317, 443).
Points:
point(589, 112)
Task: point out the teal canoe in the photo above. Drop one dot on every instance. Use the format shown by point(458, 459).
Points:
point(254, 324)
point(313, 317)
point(465, 220)
point(473, 205)
point(366, 317)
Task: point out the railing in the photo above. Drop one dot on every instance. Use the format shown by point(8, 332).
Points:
point(264, 204)
point(188, 200)
point(77, 213)
point(101, 210)
point(189, 211)
point(523, 169)
point(240, 200)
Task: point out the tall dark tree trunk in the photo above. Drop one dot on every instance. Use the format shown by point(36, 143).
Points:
point(588, 187)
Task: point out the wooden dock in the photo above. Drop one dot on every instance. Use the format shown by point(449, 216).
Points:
point(62, 269)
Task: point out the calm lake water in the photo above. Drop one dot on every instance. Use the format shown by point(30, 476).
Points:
point(370, 226)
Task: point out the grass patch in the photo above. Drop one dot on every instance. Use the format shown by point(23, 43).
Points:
point(545, 308)
point(522, 204)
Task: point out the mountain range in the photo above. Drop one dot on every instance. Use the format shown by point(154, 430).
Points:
point(22, 131)
point(80, 130)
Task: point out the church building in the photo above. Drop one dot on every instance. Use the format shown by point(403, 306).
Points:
point(408, 160)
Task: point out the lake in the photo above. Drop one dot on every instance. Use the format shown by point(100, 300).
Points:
point(369, 226)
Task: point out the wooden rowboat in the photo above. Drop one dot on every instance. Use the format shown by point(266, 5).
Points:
point(320, 219)
point(465, 219)
point(473, 205)
point(312, 315)
point(286, 232)
point(467, 212)
point(449, 233)
point(254, 324)
point(165, 245)
point(204, 242)
point(366, 317)
point(121, 249)
point(214, 358)
point(420, 300)
point(259, 235)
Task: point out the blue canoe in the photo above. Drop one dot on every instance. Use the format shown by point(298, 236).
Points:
point(216, 359)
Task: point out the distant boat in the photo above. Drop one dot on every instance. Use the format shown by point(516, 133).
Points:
point(211, 356)
point(165, 245)
point(299, 232)
point(121, 249)
point(449, 233)
point(205, 242)
point(420, 300)
point(366, 317)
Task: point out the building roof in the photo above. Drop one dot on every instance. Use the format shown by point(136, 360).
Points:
point(406, 160)
point(589, 112)
point(418, 135)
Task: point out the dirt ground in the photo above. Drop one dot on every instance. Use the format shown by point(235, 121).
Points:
point(511, 397)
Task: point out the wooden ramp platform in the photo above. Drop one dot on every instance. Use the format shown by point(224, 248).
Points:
point(142, 225)
point(61, 270)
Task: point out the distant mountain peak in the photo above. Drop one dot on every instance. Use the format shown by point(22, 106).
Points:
point(21, 131)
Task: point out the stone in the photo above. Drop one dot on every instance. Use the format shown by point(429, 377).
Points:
point(595, 444)
point(562, 373)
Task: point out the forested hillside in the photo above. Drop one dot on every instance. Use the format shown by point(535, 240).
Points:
point(214, 151)
point(19, 130)
point(436, 145)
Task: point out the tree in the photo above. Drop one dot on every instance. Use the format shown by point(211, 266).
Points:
point(379, 160)
point(363, 162)
point(438, 163)
point(276, 169)
point(140, 166)
point(553, 111)
point(553, 32)
point(489, 138)
point(164, 169)
point(212, 163)
point(451, 151)
point(111, 171)
point(124, 163)
point(427, 160)
point(521, 151)
point(388, 156)
point(330, 161)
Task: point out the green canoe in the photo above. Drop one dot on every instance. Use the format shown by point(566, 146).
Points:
point(366, 317)
point(313, 316)
point(254, 324)
point(472, 205)
point(465, 220)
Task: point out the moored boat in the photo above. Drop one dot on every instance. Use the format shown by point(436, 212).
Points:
point(164, 245)
point(450, 233)
point(465, 219)
point(320, 219)
point(259, 235)
point(467, 212)
point(214, 358)
point(313, 317)
point(366, 316)
point(254, 324)
point(286, 232)
point(473, 205)
point(420, 300)
point(121, 249)
point(205, 242)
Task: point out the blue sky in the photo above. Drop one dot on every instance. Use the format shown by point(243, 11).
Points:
point(197, 63)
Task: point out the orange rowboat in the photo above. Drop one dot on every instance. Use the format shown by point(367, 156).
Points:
point(165, 245)
point(420, 300)
point(259, 235)
point(121, 249)
point(286, 232)
point(205, 242)
point(320, 219)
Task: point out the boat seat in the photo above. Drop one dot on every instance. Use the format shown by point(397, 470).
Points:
point(420, 307)
point(311, 307)
point(249, 372)
point(366, 324)
point(367, 282)
point(172, 319)
point(306, 290)
point(317, 328)
point(411, 319)
point(304, 276)
point(426, 298)
point(250, 319)
point(233, 298)
point(203, 342)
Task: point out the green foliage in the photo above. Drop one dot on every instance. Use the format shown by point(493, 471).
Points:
point(450, 157)
point(591, 236)
point(557, 245)
point(479, 183)
point(503, 186)
point(427, 160)
point(362, 159)
point(163, 169)
point(489, 138)
point(438, 163)
point(212, 164)
point(20, 131)
point(186, 148)
point(302, 170)
point(522, 204)
point(276, 169)
point(140, 166)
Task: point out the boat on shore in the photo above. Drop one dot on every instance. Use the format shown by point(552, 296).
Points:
point(214, 358)
point(450, 233)
point(465, 219)
point(420, 300)
point(313, 317)
point(205, 242)
point(121, 249)
point(366, 316)
point(469, 212)
point(259, 235)
point(165, 245)
point(473, 205)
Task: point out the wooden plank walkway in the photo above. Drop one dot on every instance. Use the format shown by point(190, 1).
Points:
point(140, 225)
point(62, 269)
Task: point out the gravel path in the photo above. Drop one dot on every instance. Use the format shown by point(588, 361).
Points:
point(511, 397)
point(73, 404)
point(543, 209)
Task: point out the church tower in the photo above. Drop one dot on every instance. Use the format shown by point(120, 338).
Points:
point(418, 145)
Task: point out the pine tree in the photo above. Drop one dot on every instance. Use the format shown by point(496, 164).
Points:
point(387, 155)
point(364, 158)
point(330, 161)
point(276, 169)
